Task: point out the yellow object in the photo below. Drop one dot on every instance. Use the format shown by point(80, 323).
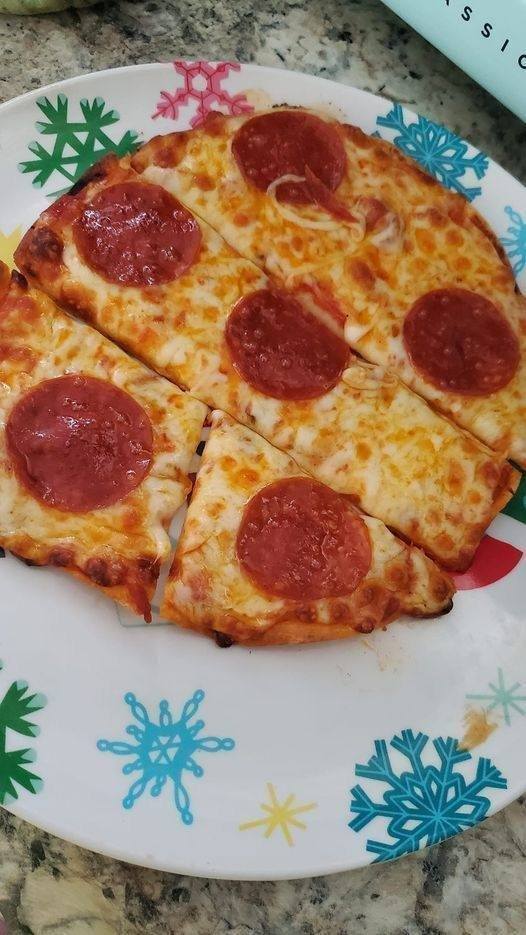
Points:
point(279, 815)
point(8, 245)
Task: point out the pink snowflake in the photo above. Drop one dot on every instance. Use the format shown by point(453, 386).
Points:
point(202, 84)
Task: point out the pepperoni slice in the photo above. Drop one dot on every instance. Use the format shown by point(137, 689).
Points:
point(300, 540)
point(460, 342)
point(78, 443)
point(285, 142)
point(281, 349)
point(137, 235)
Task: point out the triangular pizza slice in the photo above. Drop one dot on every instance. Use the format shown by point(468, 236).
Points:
point(94, 449)
point(270, 555)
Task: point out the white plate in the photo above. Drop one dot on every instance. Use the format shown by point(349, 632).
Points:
point(283, 793)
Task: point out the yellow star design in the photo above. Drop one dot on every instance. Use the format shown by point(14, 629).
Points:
point(279, 815)
point(8, 245)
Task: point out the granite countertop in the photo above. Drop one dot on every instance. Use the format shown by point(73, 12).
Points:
point(472, 884)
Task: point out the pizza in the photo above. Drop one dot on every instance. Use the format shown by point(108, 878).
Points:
point(94, 449)
point(126, 255)
point(270, 555)
point(410, 269)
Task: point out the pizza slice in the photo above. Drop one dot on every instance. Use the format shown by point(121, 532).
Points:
point(127, 256)
point(94, 449)
point(269, 555)
point(412, 270)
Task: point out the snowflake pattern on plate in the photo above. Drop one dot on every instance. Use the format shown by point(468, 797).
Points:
point(16, 707)
point(502, 697)
point(514, 242)
point(493, 561)
point(164, 751)
point(440, 151)
point(427, 802)
point(77, 143)
point(202, 91)
point(280, 816)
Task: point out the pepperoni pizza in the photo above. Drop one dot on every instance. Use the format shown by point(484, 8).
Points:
point(127, 256)
point(94, 449)
point(269, 555)
point(411, 269)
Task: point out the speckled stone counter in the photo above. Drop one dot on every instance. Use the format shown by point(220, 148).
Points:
point(474, 884)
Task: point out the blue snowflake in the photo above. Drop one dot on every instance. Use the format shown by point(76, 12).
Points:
point(441, 152)
point(427, 803)
point(164, 751)
point(515, 242)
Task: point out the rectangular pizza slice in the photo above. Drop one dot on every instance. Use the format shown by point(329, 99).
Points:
point(269, 555)
point(94, 449)
point(412, 270)
point(126, 255)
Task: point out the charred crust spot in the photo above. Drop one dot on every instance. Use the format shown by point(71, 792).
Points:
point(222, 639)
point(446, 609)
point(18, 279)
point(365, 626)
point(45, 245)
point(26, 561)
point(106, 574)
point(95, 173)
point(61, 557)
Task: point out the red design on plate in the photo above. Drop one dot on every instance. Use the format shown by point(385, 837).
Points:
point(202, 85)
point(493, 560)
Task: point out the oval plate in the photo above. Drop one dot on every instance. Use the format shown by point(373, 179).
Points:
point(155, 746)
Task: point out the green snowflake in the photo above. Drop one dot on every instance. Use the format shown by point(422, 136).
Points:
point(16, 706)
point(77, 143)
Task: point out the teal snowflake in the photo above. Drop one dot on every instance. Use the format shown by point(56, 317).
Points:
point(502, 697)
point(426, 803)
point(515, 242)
point(16, 707)
point(164, 751)
point(77, 144)
point(440, 152)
